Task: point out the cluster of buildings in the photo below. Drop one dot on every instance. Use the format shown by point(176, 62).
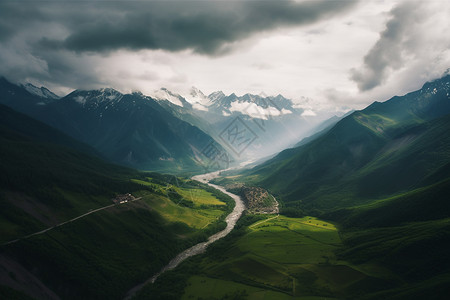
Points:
point(123, 198)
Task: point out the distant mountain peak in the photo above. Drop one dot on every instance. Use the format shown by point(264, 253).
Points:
point(195, 91)
point(165, 94)
point(42, 92)
point(95, 96)
point(198, 99)
point(442, 83)
point(101, 91)
point(216, 96)
point(109, 91)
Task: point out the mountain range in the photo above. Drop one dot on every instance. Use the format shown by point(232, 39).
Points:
point(275, 121)
point(129, 129)
point(167, 131)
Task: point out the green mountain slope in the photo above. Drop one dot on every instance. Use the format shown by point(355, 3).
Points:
point(383, 176)
point(33, 129)
point(38, 163)
point(384, 149)
point(45, 184)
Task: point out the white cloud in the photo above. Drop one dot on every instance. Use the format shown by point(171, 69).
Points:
point(308, 113)
point(255, 111)
point(417, 32)
point(285, 111)
point(198, 106)
point(80, 99)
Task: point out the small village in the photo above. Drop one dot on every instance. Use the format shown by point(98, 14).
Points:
point(124, 198)
point(257, 200)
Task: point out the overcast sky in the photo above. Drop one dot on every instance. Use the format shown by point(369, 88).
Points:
point(336, 53)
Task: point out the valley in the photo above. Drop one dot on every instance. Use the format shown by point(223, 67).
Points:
point(230, 220)
point(57, 194)
point(88, 242)
point(225, 150)
point(357, 210)
point(276, 257)
point(384, 236)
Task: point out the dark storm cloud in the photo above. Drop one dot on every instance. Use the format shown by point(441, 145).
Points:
point(5, 31)
point(62, 41)
point(395, 43)
point(16, 16)
point(204, 26)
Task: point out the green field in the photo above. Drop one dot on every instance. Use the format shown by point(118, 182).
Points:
point(291, 240)
point(183, 201)
point(199, 196)
point(171, 211)
point(205, 287)
point(281, 258)
point(187, 189)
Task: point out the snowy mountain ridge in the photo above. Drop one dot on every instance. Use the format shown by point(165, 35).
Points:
point(42, 92)
point(255, 106)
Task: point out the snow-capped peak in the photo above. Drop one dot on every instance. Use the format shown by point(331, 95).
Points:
point(216, 96)
point(94, 97)
point(108, 91)
point(41, 92)
point(196, 96)
point(165, 94)
point(111, 94)
point(263, 95)
point(195, 92)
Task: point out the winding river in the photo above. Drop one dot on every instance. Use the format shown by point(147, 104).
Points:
point(231, 220)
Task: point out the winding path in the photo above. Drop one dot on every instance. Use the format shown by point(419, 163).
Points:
point(256, 224)
point(71, 220)
point(231, 220)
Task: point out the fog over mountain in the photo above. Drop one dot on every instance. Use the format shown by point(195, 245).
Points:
point(273, 122)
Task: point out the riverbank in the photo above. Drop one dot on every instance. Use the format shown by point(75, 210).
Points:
point(199, 248)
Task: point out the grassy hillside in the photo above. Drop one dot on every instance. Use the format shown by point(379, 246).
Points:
point(274, 257)
point(105, 254)
point(416, 252)
point(44, 182)
point(382, 176)
point(423, 204)
point(385, 149)
point(33, 129)
point(186, 201)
